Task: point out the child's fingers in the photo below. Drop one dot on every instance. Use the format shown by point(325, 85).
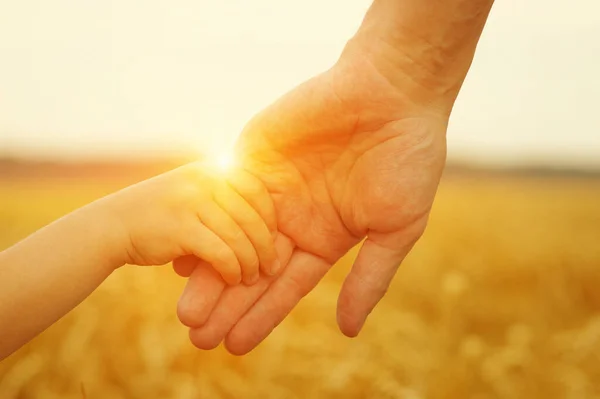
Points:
point(256, 194)
point(209, 247)
point(252, 224)
point(224, 226)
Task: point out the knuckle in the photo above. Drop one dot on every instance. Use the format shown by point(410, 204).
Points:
point(251, 222)
point(236, 236)
point(297, 286)
point(373, 286)
point(378, 289)
point(223, 255)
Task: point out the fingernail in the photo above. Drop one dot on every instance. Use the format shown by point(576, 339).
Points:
point(234, 280)
point(252, 280)
point(275, 267)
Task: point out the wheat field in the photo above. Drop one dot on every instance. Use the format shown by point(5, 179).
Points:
point(500, 299)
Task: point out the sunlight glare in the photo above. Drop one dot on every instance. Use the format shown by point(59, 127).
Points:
point(224, 162)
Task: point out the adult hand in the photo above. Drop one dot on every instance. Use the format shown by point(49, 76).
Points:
point(345, 156)
point(354, 153)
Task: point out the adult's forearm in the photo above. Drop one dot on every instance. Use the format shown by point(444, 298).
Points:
point(426, 44)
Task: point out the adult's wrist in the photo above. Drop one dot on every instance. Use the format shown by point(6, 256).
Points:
point(423, 47)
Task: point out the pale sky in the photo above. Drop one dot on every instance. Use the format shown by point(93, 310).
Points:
point(81, 78)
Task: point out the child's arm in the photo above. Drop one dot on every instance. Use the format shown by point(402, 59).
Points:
point(50, 272)
point(183, 212)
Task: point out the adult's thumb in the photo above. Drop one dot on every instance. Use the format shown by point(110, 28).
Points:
point(370, 277)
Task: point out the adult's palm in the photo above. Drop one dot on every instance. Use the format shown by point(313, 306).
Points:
point(349, 154)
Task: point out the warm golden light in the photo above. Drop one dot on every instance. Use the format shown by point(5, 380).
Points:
point(224, 162)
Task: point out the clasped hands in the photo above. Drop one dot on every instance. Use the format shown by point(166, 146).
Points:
point(354, 155)
point(349, 155)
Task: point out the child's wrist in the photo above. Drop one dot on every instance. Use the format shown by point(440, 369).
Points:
point(113, 237)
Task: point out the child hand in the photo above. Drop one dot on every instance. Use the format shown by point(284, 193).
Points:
point(228, 221)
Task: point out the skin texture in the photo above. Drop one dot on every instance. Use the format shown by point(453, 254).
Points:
point(349, 168)
point(354, 153)
point(186, 211)
point(194, 210)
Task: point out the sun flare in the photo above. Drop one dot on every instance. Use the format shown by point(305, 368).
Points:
point(224, 161)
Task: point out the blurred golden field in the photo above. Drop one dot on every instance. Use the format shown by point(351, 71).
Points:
point(500, 299)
